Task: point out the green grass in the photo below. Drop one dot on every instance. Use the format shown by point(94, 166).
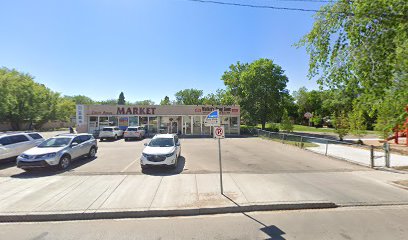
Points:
point(292, 142)
point(301, 128)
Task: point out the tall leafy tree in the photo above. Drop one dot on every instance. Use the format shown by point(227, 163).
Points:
point(81, 99)
point(23, 100)
point(361, 47)
point(189, 97)
point(121, 100)
point(165, 101)
point(260, 88)
point(144, 102)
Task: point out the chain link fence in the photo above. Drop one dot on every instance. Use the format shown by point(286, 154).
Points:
point(367, 155)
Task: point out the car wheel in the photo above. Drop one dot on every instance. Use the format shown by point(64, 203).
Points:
point(101, 140)
point(126, 139)
point(92, 152)
point(64, 162)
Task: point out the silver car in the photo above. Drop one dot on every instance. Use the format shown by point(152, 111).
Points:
point(58, 151)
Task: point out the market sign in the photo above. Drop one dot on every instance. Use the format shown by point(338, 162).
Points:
point(213, 119)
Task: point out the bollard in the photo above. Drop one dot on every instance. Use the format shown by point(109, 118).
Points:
point(387, 154)
point(283, 138)
point(327, 145)
point(301, 141)
point(372, 156)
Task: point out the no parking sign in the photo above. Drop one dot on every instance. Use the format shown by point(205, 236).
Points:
point(219, 132)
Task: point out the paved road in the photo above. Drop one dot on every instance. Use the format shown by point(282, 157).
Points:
point(240, 155)
point(344, 223)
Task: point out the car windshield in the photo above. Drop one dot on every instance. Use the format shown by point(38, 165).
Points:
point(131, 129)
point(55, 142)
point(161, 142)
point(107, 129)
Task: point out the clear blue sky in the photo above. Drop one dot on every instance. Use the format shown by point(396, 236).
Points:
point(147, 48)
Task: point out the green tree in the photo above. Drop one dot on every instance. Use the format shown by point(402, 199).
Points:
point(286, 123)
point(81, 99)
point(189, 97)
point(24, 100)
point(259, 87)
point(357, 123)
point(165, 101)
point(361, 47)
point(108, 102)
point(146, 102)
point(341, 124)
point(121, 99)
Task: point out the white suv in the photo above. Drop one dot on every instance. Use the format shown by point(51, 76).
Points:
point(13, 144)
point(110, 133)
point(134, 132)
point(162, 150)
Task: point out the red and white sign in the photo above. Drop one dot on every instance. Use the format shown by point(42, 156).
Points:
point(308, 115)
point(219, 132)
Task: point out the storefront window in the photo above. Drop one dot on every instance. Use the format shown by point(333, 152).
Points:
point(164, 124)
point(187, 125)
point(234, 127)
point(153, 124)
point(113, 121)
point(206, 130)
point(144, 122)
point(133, 121)
point(103, 121)
point(197, 125)
point(123, 122)
point(225, 121)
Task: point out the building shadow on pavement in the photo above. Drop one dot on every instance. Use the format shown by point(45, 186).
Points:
point(166, 171)
point(272, 231)
point(51, 171)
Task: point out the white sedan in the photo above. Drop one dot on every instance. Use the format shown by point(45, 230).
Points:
point(162, 150)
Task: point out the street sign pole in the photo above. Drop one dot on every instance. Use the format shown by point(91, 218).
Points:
point(213, 120)
point(219, 158)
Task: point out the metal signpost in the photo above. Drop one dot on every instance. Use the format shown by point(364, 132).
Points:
point(213, 120)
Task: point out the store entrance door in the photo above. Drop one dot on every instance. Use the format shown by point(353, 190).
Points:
point(174, 127)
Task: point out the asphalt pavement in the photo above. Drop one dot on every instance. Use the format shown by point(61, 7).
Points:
point(199, 156)
point(357, 223)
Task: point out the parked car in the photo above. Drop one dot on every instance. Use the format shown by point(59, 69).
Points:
point(58, 151)
point(162, 150)
point(110, 133)
point(13, 144)
point(134, 132)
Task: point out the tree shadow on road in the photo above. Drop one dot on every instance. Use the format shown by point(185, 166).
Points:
point(272, 231)
point(165, 171)
point(51, 171)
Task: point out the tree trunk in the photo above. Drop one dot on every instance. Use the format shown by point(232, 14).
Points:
point(263, 124)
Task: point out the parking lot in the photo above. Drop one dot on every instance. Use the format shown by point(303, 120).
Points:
point(199, 155)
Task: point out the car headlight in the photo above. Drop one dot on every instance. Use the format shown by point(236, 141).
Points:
point(48, 155)
point(170, 154)
point(145, 155)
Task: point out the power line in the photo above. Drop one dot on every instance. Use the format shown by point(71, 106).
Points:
point(312, 1)
point(290, 8)
point(255, 6)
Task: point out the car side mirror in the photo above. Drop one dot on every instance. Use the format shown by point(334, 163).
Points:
point(74, 144)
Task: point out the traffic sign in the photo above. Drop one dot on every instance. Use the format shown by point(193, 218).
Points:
point(213, 119)
point(219, 132)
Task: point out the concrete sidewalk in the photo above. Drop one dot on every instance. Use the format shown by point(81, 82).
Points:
point(118, 196)
point(358, 155)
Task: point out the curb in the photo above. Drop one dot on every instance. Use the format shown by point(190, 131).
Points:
point(71, 216)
